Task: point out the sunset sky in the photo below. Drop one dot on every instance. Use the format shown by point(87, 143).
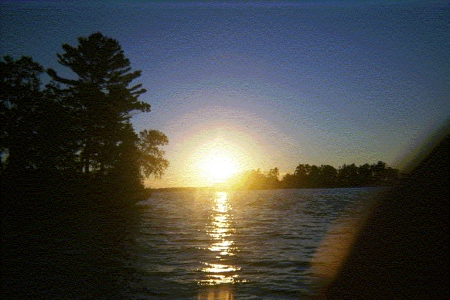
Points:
point(264, 84)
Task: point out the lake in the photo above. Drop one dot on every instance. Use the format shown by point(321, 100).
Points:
point(200, 244)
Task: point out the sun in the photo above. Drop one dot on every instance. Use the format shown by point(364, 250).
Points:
point(216, 161)
point(218, 167)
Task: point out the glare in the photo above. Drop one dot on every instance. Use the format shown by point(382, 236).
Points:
point(218, 166)
point(216, 160)
point(220, 270)
point(223, 247)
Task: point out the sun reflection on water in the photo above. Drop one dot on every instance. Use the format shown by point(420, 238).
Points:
point(221, 269)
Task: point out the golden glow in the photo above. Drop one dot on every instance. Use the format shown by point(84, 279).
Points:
point(220, 269)
point(216, 161)
point(211, 144)
point(217, 292)
point(333, 250)
point(232, 140)
point(218, 165)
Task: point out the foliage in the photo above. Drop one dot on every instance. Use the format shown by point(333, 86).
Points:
point(152, 159)
point(324, 176)
point(101, 97)
point(255, 179)
point(78, 127)
point(19, 93)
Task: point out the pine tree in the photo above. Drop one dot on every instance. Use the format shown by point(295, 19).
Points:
point(20, 99)
point(101, 97)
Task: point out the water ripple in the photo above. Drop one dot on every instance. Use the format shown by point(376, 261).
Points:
point(239, 244)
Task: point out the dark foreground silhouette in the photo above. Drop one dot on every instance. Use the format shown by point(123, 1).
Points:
point(401, 252)
point(67, 254)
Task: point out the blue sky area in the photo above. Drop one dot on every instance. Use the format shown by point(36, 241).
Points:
point(278, 83)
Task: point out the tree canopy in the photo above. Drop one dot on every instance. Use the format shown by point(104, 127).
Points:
point(324, 176)
point(79, 126)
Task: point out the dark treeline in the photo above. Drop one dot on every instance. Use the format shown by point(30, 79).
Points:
point(74, 135)
point(311, 176)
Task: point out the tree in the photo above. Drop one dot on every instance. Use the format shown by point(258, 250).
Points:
point(101, 98)
point(313, 177)
point(378, 171)
point(19, 95)
point(151, 157)
point(302, 172)
point(79, 126)
point(289, 181)
point(348, 175)
point(328, 176)
point(365, 174)
point(272, 178)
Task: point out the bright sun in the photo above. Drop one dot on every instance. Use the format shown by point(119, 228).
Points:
point(216, 161)
point(218, 167)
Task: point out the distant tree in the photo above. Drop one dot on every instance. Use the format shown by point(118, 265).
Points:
point(313, 180)
point(391, 176)
point(249, 180)
point(274, 173)
point(365, 175)
point(384, 175)
point(255, 179)
point(302, 172)
point(328, 176)
point(289, 181)
point(272, 178)
point(379, 172)
point(348, 175)
point(312, 176)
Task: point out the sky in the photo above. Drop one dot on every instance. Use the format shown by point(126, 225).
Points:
point(264, 84)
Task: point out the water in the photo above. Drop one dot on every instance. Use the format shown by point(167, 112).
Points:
point(181, 245)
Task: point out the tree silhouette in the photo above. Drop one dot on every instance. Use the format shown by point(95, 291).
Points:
point(289, 181)
point(272, 178)
point(327, 176)
point(348, 175)
point(19, 90)
point(151, 158)
point(101, 97)
point(78, 128)
point(365, 175)
point(312, 176)
point(302, 172)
